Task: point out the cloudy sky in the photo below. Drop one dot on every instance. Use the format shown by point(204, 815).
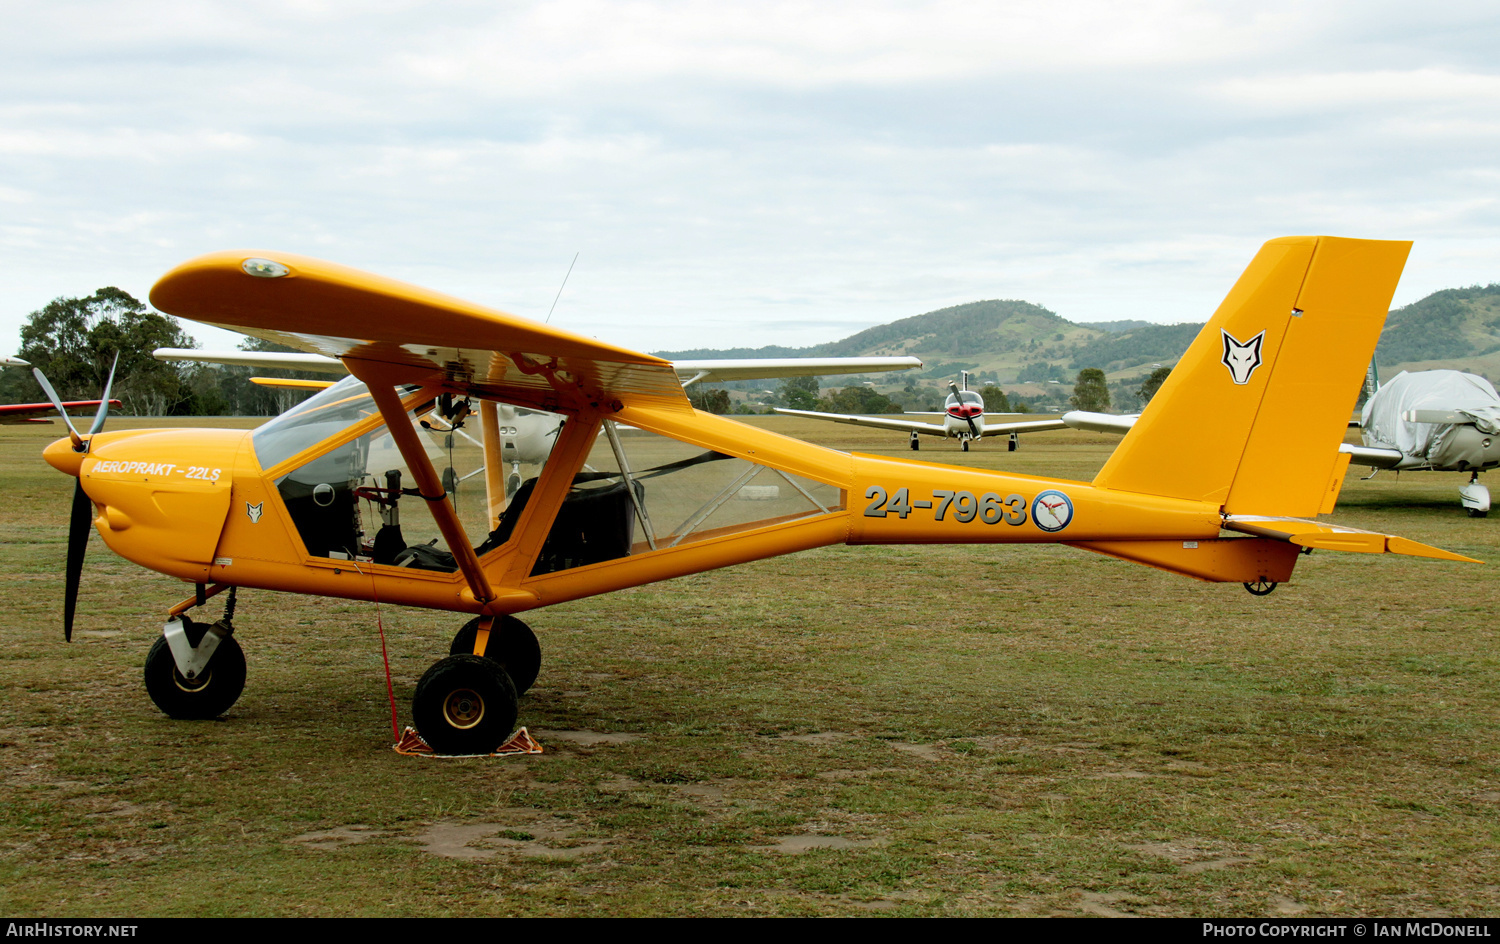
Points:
point(746, 174)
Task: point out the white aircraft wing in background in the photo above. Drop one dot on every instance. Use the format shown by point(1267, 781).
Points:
point(886, 421)
point(760, 368)
point(317, 363)
point(765, 368)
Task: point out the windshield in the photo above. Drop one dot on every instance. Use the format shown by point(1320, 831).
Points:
point(312, 421)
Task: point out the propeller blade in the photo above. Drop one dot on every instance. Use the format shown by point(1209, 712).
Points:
point(57, 403)
point(78, 540)
point(104, 398)
point(972, 428)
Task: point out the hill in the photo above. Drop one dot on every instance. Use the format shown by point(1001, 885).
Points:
point(1014, 342)
point(1457, 328)
point(1007, 341)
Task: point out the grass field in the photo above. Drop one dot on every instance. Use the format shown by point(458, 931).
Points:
point(918, 731)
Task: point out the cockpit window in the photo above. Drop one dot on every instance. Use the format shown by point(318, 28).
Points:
point(346, 502)
point(965, 396)
point(312, 421)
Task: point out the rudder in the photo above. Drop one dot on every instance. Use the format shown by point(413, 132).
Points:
point(1251, 416)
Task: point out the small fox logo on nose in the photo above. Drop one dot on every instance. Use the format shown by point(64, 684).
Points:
point(1241, 357)
point(254, 511)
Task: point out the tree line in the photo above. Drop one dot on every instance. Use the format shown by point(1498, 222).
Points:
point(74, 341)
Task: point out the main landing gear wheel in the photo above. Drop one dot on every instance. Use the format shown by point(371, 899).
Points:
point(512, 644)
point(1261, 587)
point(207, 696)
point(465, 704)
point(916, 442)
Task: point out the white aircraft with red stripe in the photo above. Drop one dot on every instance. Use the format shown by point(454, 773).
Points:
point(963, 419)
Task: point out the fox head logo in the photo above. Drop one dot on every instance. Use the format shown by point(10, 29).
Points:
point(254, 511)
point(1241, 357)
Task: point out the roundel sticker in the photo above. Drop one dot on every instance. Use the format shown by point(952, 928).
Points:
point(1051, 510)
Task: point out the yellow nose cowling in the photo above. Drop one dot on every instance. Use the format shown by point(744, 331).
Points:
point(63, 457)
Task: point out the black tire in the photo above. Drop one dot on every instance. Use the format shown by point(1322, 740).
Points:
point(1476, 513)
point(465, 704)
point(1261, 587)
point(207, 696)
point(966, 445)
point(515, 647)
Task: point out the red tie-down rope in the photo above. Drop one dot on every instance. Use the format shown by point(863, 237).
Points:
point(390, 691)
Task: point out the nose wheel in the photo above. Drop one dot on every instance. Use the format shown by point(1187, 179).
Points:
point(210, 692)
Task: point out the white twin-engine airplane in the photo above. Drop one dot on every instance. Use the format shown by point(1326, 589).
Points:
point(963, 419)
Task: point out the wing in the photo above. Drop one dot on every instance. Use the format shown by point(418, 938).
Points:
point(688, 371)
point(313, 362)
point(410, 334)
point(1075, 419)
point(1100, 422)
point(765, 368)
point(18, 413)
point(878, 422)
point(1373, 456)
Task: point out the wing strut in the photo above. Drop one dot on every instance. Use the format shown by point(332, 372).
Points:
point(429, 485)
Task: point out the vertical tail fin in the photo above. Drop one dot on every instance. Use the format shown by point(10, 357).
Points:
point(1252, 415)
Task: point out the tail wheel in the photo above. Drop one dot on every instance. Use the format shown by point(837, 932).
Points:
point(465, 704)
point(512, 644)
point(207, 696)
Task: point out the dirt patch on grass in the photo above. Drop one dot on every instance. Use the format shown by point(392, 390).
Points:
point(527, 836)
point(586, 738)
point(817, 737)
point(924, 751)
point(337, 838)
point(1191, 855)
point(808, 841)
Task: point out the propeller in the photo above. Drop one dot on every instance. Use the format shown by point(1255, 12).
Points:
point(968, 419)
point(82, 516)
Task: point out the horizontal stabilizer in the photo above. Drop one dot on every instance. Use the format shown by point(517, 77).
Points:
point(1332, 537)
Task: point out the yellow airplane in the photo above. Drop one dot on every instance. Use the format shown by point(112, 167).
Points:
point(638, 486)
